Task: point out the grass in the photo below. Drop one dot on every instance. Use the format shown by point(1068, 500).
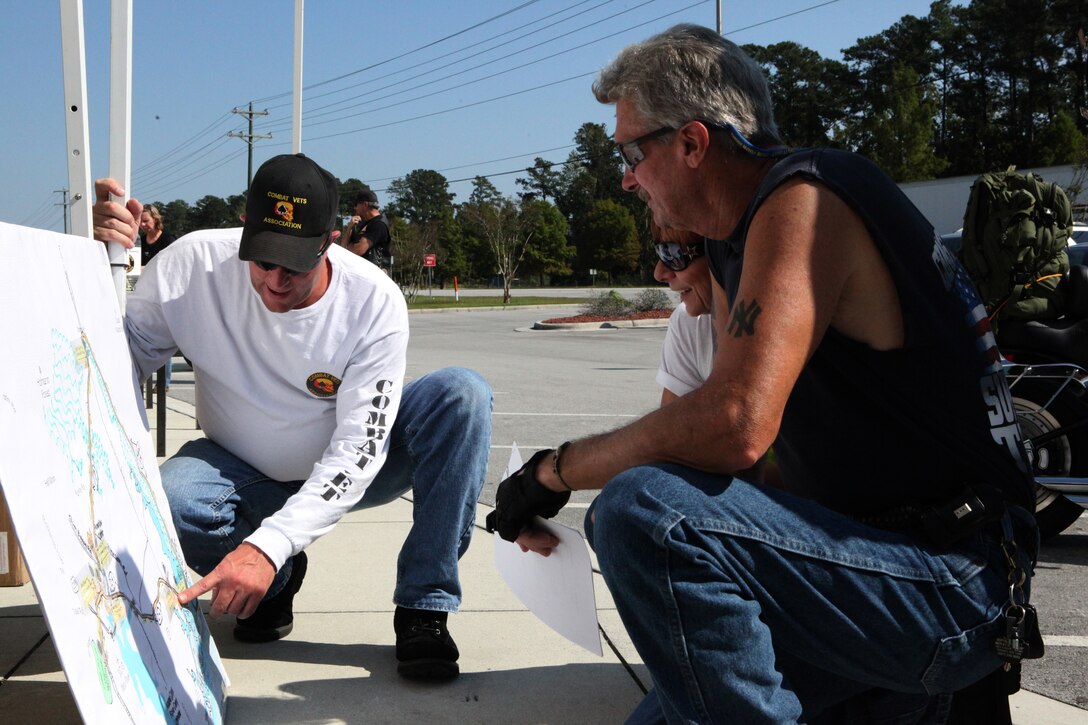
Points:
point(423, 302)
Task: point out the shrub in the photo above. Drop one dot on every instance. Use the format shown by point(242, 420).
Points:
point(606, 303)
point(652, 299)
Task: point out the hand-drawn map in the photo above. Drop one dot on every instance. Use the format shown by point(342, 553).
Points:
point(79, 472)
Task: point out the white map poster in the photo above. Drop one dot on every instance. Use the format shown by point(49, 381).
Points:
point(79, 472)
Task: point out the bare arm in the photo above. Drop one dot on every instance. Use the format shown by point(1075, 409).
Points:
point(800, 262)
point(361, 245)
point(667, 396)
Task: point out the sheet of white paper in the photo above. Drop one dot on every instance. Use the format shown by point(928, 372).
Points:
point(558, 589)
point(78, 469)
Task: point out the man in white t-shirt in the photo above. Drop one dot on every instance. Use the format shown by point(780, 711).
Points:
point(298, 353)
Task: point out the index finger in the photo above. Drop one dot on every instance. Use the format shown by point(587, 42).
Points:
point(201, 587)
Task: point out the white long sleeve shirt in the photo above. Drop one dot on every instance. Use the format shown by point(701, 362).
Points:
point(308, 394)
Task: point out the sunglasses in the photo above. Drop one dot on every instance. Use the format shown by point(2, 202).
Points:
point(676, 257)
point(270, 267)
point(631, 152)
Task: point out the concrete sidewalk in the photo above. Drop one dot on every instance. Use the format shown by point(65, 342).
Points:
point(338, 665)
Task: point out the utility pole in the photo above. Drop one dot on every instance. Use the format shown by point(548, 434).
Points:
point(248, 137)
point(63, 203)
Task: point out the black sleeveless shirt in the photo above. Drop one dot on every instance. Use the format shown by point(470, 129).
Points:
point(865, 431)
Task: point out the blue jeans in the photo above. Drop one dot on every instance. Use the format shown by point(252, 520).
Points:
point(438, 448)
point(752, 605)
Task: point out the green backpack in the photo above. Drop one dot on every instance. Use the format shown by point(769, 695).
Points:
point(1015, 233)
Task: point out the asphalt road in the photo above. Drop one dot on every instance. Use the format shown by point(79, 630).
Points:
point(552, 386)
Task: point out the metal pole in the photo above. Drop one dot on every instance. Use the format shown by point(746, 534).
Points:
point(296, 134)
point(75, 107)
point(120, 122)
point(719, 17)
point(249, 167)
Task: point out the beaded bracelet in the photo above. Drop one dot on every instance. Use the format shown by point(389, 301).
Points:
point(555, 465)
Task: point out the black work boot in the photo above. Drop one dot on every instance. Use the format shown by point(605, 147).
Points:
point(425, 649)
point(274, 618)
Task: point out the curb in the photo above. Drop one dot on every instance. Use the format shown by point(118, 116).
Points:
point(496, 308)
point(607, 325)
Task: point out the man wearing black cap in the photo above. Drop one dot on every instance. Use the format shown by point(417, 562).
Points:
point(367, 234)
point(298, 351)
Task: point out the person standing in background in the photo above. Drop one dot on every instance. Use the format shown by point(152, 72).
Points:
point(153, 238)
point(367, 234)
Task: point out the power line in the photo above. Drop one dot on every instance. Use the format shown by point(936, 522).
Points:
point(492, 62)
point(446, 61)
point(407, 53)
point(455, 108)
point(782, 17)
point(452, 88)
point(316, 113)
point(32, 218)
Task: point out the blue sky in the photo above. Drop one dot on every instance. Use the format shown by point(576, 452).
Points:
point(478, 87)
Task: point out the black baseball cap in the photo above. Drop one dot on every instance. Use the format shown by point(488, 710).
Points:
point(366, 195)
point(291, 208)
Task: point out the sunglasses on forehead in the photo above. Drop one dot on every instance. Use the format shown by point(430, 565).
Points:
point(674, 256)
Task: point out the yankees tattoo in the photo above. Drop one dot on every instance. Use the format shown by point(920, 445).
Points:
point(743, 320)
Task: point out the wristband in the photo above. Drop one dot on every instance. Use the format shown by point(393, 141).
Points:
point(555, 465)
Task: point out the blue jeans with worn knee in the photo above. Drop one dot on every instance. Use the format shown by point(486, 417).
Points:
point(438, 449)
point(753, 605)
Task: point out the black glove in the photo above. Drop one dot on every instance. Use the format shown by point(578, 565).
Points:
point(521, 497)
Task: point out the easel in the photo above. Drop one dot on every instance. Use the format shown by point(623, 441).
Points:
point(79, 181)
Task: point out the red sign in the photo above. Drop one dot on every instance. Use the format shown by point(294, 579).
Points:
point(428, 260)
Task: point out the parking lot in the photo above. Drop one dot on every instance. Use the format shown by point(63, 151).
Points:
point(552, 386)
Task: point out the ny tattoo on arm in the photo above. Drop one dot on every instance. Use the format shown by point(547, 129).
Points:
point(743, 320)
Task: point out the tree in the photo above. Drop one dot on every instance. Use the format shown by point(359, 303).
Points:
point(496, 221)
point(901, 134)
point(175, 217)
point(550, 251)
point(212, 212)
point(875, 62)
point(348, 190)
point(600, 159)
point(808, 92)
point(1060, 142)
point(411, 246)
point(422, 198)
point(592, 172)
point(543, 181)
point(483, 192)
point(608, 239)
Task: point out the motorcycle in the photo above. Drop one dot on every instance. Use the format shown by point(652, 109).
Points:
point(1046, 364)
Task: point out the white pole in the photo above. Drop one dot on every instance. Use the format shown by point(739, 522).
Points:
point(120, 121)
point(296, 135)
point(75, 115)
